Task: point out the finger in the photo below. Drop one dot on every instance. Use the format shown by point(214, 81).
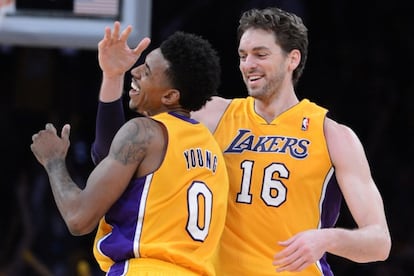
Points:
point(288, 241)
point(142, 45)
point(288, 250)
point(65, 132)
point(296, 265)
point(125, 33)
point(287, 262)
point(33, 149)
point(115, 33)
point(303, 266)
point(106, 39)
point(50, 126)
point(285, 259)
point(107, 33)
point(283, 243)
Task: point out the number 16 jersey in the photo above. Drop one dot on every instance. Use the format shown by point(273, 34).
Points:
point(281, 183)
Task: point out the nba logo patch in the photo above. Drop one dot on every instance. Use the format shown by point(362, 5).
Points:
point(305, 123)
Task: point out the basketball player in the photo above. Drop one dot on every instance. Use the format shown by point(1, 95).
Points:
point(289, 164)
point(160, 195)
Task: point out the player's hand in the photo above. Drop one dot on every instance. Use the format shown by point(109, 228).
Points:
point(300, 251)
point(48, 146)
point(114, 55)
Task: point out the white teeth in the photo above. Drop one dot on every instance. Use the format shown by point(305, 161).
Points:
point(134, 86)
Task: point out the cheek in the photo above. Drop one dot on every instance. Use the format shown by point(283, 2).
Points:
point(242, 67)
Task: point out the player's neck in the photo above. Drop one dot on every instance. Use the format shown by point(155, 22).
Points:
point(181, 112)
point(272, 107)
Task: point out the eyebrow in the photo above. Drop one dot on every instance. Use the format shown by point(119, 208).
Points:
point(258, 48)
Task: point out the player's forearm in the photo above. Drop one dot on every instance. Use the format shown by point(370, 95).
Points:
point(110, 115)
point(368, 244)
point(109, 119)
point(111, 88)
point(66, 193)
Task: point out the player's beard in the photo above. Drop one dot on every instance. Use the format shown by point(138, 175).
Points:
point(269, 88)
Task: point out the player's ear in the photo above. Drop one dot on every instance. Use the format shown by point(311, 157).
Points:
point(294, 58)
point(171, 97)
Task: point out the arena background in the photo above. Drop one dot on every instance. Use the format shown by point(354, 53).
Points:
point(359, 67)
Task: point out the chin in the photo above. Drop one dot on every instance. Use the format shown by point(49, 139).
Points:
point(252, 92)
point(132, 106)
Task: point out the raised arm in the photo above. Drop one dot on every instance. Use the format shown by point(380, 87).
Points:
point(115, 59)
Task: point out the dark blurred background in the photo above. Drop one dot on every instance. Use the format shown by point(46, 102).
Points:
point(359, 67)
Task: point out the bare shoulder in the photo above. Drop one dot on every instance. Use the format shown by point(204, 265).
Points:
point(343, 143)
point(220, 101)
point(135, 138)
point(337, 131)
point(212, 112)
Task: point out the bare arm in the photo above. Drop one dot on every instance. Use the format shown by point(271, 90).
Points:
point(212, 112)
point(370, 241)
point(82, 209)
point(115, 59)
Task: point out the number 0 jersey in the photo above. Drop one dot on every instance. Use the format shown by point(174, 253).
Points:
point(281, 183)
point(174, 215)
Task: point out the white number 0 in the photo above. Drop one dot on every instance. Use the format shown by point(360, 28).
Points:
point(197, 190)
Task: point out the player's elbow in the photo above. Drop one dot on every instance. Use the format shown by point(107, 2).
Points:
point(383, 244)
point(380, 249)
point(78, 226)
point(385, 248)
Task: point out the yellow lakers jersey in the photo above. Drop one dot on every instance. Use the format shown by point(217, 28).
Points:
point(175, 214)
point(280, 184)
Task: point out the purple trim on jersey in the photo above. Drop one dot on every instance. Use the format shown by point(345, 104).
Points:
point(182, 117)
point(330, 212)
point(332, 204)
point(109, 119)
point(123, 217)
point(117, 269)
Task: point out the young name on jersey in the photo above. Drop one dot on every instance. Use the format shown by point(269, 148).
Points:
point(199, 158)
